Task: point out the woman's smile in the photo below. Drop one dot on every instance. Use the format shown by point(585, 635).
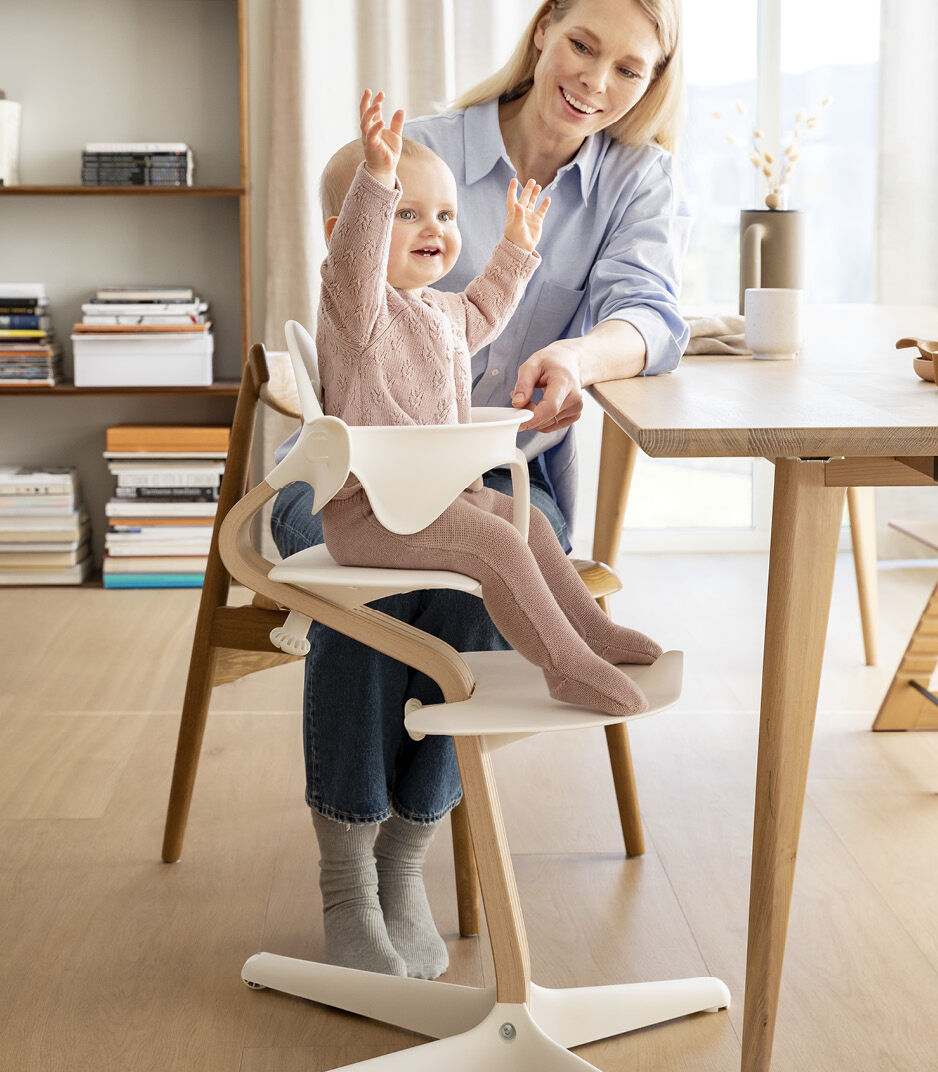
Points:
point(576, 105)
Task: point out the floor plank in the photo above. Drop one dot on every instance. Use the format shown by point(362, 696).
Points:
point(115, 961)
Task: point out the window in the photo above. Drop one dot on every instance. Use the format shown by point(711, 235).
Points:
point(772, 58)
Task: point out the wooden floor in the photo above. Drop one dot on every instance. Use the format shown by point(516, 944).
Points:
point(113, 960)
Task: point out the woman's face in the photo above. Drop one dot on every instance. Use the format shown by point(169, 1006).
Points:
point(595, 64)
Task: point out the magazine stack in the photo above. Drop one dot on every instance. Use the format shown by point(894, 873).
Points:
point(161, 516)
point(143, 336)
point(29, 355)
point(137, 163)
point(44, 533)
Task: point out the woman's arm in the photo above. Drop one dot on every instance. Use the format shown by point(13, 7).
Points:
point(632, 295)
point(613, 350)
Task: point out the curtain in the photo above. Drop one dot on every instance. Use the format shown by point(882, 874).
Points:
point(907, 215)
point(907, 218)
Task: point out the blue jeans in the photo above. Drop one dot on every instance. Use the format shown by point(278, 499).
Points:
point(360, 762)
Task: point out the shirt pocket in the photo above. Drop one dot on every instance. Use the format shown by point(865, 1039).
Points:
point(554, 308)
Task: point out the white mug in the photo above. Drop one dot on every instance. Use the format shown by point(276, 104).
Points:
point(773, 322)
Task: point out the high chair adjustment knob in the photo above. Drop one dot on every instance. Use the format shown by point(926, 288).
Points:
point(291, 636)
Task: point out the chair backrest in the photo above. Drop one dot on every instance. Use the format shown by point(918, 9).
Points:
point(305, 369)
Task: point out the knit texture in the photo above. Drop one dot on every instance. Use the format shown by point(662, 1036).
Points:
point(400, 850)
point(391, 357)
point(356, 935)
point(531, 590)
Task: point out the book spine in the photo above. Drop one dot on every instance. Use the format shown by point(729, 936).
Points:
point(167, 493)
point(169, 478)
point(9, 306)
point(25, 321)
point(137, 147)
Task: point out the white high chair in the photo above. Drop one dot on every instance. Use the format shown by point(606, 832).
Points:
point(491, 699)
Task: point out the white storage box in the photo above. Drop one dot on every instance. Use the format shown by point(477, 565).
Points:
point(109, 361)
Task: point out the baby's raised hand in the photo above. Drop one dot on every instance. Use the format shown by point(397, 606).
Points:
point(382, 144)
point(523, 223)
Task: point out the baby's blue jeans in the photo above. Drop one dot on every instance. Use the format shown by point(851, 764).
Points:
point(360, 762)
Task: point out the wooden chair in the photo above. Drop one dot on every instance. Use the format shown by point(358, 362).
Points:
point(909, 703)
point(231, 642)
point(490, 699)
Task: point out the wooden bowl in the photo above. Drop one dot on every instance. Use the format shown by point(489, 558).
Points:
point(926, 364)
point(925, 367)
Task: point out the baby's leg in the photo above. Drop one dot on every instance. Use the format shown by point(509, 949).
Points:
point(474, 541)
point(615, 643)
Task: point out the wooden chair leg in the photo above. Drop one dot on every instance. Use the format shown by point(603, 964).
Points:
point(188, 746)
point(904, 707)
point(861, 507)
point(467, 875)
point(623, 777)
point(616, 466)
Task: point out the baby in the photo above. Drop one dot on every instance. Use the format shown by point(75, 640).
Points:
point(393, 351)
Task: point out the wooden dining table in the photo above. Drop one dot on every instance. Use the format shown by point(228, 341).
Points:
point(849, 411)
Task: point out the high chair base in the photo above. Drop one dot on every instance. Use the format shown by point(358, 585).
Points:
point(476, 1032)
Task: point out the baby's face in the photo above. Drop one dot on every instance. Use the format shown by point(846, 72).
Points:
point(425, 239)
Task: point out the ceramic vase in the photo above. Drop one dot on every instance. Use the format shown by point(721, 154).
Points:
point(771, 250)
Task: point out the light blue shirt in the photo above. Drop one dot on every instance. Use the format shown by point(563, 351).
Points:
point(612, 248)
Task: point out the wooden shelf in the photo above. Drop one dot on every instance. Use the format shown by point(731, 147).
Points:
point(220, 387)
point(122, 191)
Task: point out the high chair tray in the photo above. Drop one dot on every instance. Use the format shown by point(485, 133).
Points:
point(511, 697)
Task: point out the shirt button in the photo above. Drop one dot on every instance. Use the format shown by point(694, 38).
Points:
point(494, 371)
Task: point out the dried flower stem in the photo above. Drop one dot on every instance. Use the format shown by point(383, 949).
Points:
point(777, 172)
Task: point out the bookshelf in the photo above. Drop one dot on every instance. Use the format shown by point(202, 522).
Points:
point(176, 70)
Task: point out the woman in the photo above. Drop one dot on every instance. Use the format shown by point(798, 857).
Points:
point(588, 107)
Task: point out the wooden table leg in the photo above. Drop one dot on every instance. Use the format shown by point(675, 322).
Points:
point(616, 465)
point(806, 518)
point(861, 506)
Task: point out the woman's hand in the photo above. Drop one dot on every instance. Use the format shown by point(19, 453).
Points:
point(523, 224)
point(382, 144)
point(555, 369)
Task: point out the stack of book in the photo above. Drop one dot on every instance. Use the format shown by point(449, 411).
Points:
point(29, 354)
point(44, 532)
point(143, 336)
point(161, 516)
point(137, 163)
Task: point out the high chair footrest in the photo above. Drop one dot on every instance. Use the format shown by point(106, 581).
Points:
point(511, 698)
point(315, 570)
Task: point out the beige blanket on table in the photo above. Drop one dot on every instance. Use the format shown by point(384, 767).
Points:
point(716, 333)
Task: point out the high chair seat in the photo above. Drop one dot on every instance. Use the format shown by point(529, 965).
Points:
point(315, 570)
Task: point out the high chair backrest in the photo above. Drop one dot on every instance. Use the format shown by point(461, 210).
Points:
point(410, 473)
point(305, 368)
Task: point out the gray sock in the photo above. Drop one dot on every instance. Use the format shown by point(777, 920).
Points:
point(356, 936)
point(400, 849)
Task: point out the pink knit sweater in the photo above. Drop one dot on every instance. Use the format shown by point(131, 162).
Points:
point(390, 357)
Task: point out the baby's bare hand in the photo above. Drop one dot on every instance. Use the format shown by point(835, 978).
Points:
point(523, 223)
point(382, 144)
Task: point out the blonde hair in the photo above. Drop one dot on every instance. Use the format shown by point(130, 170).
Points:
point(656, 118)
point(338, 173)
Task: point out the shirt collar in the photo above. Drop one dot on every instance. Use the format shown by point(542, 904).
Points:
point(484, 148)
